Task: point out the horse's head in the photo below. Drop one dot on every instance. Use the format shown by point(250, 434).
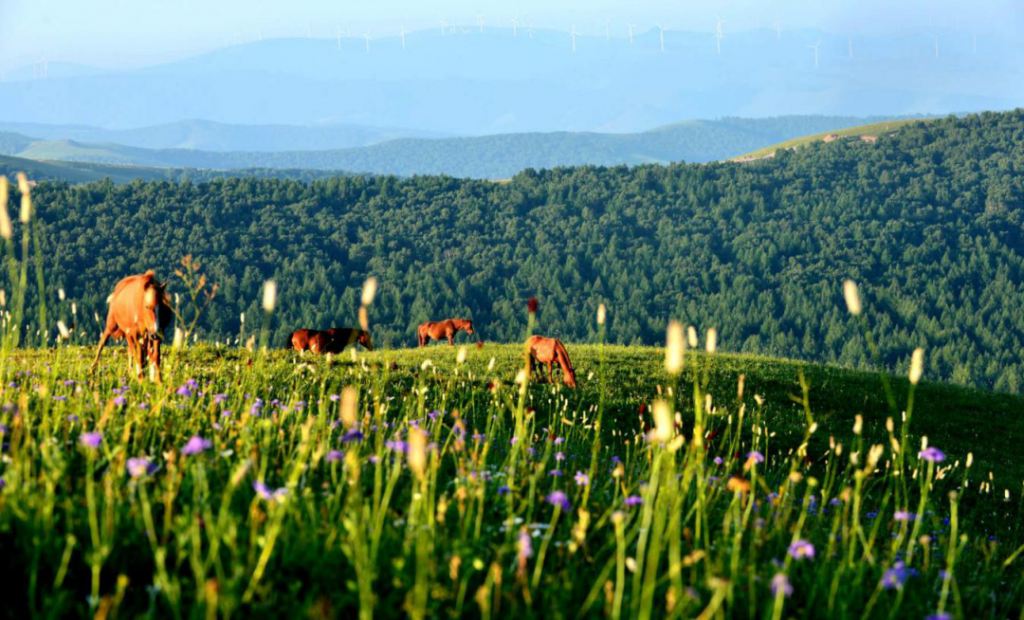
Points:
point(156, 314)
point(467, 325)
point(569, 376)
point(366, 341)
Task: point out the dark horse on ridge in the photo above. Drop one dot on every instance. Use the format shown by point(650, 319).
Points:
point(333, 340)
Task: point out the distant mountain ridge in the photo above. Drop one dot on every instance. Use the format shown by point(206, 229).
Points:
point(484, 157)
point(212, 136)
point(481, 84)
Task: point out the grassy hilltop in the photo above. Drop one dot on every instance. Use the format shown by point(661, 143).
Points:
point(252, 486)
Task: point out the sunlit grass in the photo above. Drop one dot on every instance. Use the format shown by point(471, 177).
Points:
point(391, 484)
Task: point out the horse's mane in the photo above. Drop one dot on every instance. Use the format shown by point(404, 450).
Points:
point(562, 353)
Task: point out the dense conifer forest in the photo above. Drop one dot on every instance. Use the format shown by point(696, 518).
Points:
point(928, 221)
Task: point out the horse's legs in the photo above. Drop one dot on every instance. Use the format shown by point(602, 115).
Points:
point(154, 356)
point(451, 337)
point(550, 378)
point(99, 350)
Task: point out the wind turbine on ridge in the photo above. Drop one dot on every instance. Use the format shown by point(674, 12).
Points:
point(630, 27)
point(367, 37)
point(661, 35)
point(815, 48)
point(719, 34)
point(403, 37)
point(850, 46)
point(936, 46)
point(573, 34)
point(778, 30)
point(480, 21)
point(444, 24)
point(515, 26)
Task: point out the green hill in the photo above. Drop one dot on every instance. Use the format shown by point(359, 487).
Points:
point(930, 222)
point(483, 157)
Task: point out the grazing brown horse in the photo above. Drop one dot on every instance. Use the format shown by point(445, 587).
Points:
point(333, 340)
point(552, 352)
point(299, 339)
point(443, 329)
point(139, 312)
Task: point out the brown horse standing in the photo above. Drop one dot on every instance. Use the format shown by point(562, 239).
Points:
point(443, 329)
point(139, 313)
point(552, 352)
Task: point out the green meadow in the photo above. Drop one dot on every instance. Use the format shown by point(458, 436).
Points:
point(405, 483)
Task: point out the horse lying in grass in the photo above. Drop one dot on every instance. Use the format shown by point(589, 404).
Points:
point(443, 329)
point(552, 352)
point(139, 312)
point(333, 340)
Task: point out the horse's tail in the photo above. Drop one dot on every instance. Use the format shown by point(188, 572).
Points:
point(288, 344)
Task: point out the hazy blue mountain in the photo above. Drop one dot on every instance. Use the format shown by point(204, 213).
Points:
point(488, 157)
point(471, 84)
point(212, 136)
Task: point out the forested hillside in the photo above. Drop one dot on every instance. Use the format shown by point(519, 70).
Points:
point(928, 221)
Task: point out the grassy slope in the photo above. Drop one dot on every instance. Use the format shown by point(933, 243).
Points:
point(958, 420)
point(875, 129)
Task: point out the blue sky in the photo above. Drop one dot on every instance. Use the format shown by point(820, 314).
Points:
point(114, 33)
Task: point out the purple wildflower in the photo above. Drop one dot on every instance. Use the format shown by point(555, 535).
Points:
point(2, 484)
point(195, 445)
point(91, 440)
point(718, 460)
point(559, 440)
point(219, 398)
point(120, 401)
point(800, 549)
point(335, 455)
point(780, 584)
point(143, 406)
point(582, 479)
point(184, 390)
point(756, 456)
point(503, 490)
point(559, 456)
point(60, 398)
point(939, 616)
point(633, 500)
point(334, 397)
point(555, 472)
point(69, 382)
point(139, 466)
point(558, 498)
point(895, 577)
point(932, 455)
point(397, 445)
point(903, 515)
point(265, 493)
point(352, 435)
